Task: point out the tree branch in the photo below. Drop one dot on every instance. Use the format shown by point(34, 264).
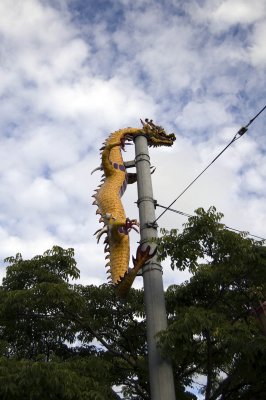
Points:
point(109, 347)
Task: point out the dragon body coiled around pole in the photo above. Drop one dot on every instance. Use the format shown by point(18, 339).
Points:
point(107, 197)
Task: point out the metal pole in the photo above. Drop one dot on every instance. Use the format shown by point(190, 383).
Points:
point(160, 371)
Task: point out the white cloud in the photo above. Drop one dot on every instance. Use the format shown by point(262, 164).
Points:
point(239, 11)
point(203, 115)
point(223, 14)
point(258, 48)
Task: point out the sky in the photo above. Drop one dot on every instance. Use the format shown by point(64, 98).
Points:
point(73, 71)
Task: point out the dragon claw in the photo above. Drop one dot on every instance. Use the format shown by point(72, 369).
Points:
point(128, 225)
point(142, 256)
point(123, 143)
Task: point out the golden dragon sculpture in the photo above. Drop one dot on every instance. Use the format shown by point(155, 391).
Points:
point(108, 200)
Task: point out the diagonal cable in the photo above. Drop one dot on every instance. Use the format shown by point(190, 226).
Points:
point(189, 215)
point(237, 136)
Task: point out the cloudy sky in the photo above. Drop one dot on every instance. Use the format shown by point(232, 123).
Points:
point(72, 71)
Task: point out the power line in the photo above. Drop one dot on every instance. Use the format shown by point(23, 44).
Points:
point(173, 210)
point(189, 215)
point(237, 136)
point(249, 234)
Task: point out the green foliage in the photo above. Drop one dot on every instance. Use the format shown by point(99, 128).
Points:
point(75, 379)
point(54, 266)
point(213, 330)
point(119, 327)
point(33, 299)
point(64, 341)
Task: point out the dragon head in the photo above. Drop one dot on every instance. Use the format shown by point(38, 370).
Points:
point(156, 135)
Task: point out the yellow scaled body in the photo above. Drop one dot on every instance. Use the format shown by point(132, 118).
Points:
point(108, 200)
point(110, 206)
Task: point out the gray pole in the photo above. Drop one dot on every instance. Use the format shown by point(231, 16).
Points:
point(160, 371)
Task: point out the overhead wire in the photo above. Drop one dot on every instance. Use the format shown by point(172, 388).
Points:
point(189, 215)
point(237, 136)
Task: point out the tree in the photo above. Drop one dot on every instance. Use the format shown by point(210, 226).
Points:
point(34, 295)
point(40, 355)
point(213, 334)
point(65, 341)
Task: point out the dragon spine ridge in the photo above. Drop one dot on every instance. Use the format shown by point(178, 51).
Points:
point(107, 197)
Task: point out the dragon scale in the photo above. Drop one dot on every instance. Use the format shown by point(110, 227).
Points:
point(110, 207)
